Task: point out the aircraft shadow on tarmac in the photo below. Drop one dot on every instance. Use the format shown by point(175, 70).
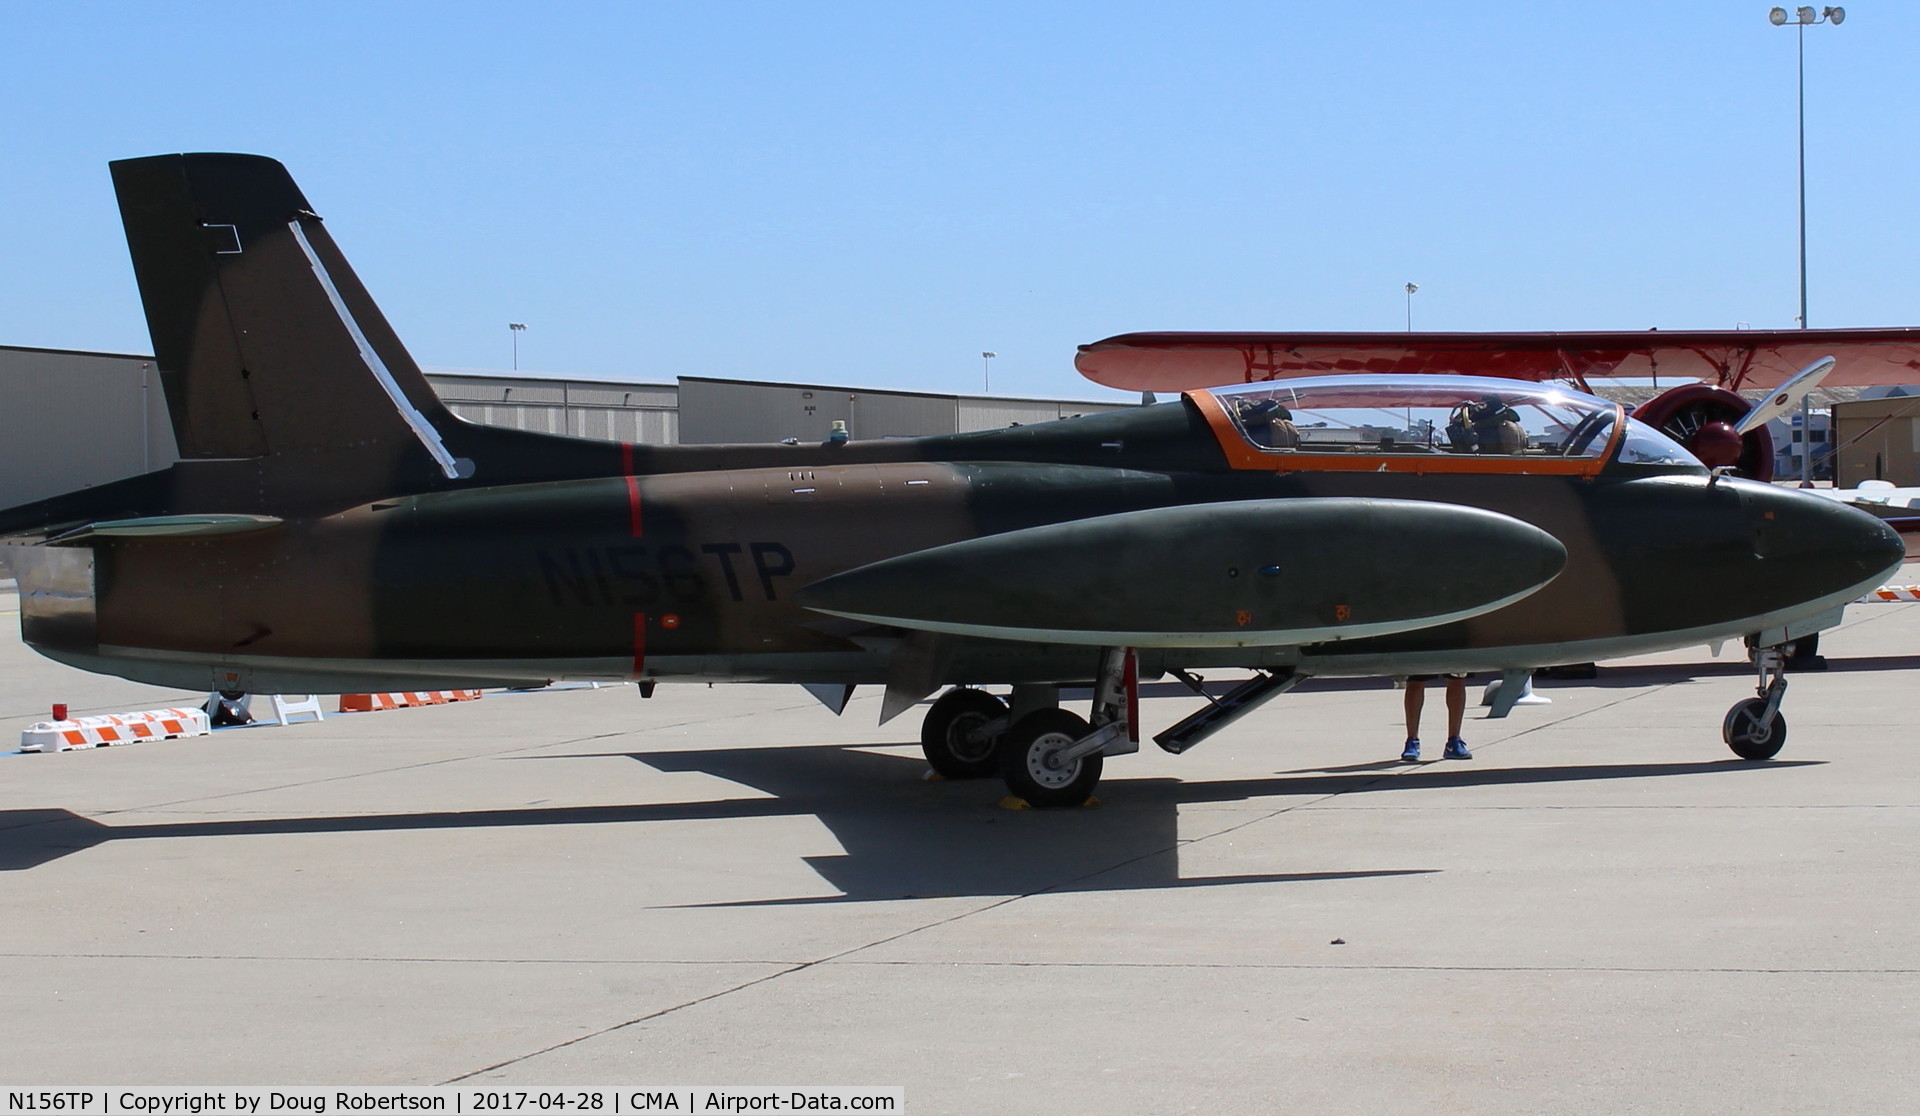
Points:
point(904, 838)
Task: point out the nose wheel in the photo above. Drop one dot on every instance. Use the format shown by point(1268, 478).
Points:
point(1752, 732)
point(1755, 728)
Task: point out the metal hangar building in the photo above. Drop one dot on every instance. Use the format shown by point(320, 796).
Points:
point(71, 419)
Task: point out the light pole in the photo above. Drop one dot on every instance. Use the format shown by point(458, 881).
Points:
point(986, 376)
point(1411, 287)
point(516, 328)
point(1803, 18)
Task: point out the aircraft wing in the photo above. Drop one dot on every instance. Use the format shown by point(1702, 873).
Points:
point(1734, 359)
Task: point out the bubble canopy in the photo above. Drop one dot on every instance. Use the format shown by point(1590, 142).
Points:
point(1430, 424)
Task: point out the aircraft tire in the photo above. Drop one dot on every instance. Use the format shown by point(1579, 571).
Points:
point(1749, 738)
point(943, 735)
point(1023, 755)
point(1806, 654)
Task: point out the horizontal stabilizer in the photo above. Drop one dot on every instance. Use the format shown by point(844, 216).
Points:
point(167, 526)
point(1238, 574)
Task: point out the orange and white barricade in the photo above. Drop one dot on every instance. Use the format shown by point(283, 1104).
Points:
point(1891, 593)
point(115, 728)
point(366, 703)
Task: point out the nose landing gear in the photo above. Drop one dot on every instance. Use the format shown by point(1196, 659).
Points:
point(1755, 728)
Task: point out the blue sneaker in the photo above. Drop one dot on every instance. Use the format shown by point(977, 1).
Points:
point(1456, 749)
point(1412, 751)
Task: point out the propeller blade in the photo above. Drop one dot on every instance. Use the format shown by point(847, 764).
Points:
point(1787, 396)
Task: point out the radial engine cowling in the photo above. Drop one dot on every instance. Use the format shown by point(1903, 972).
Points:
point(1699, 416)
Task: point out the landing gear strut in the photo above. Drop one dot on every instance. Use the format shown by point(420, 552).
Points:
point(1050, 757)
point(1754, 728)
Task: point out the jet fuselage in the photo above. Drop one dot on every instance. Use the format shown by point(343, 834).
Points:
point(693, 574)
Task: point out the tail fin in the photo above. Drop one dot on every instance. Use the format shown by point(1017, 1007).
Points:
point(267, 344)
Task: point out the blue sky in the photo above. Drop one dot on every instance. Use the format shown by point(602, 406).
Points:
point(875, 193)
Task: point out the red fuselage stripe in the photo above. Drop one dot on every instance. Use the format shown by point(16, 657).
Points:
point(633, 488)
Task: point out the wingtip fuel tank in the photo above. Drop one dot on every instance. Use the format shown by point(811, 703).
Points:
point(1240, 574)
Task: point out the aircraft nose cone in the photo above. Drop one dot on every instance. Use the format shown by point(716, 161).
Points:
point(1821, 545)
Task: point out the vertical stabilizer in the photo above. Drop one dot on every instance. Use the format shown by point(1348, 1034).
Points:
point(267, 344)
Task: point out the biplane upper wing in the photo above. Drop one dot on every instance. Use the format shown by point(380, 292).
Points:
point(1728, 358)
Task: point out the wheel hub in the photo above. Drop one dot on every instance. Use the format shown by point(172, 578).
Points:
point(1044, 762)
point(958, 742)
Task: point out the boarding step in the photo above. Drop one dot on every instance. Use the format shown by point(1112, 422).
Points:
point(1227, 708)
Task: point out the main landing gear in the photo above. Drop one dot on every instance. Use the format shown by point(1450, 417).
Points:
point(962, 730)
point(1046, 755)
point(970, 734)
point(1051, 757)
point(1755, 728)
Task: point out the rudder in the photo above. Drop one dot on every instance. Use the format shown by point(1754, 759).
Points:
point(267, 344)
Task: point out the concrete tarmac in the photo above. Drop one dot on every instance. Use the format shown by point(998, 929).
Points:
point(1604, 911)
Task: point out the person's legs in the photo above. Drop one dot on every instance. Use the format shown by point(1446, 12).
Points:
point(1456, 705)
point(1416, 698)
point(1456, 713)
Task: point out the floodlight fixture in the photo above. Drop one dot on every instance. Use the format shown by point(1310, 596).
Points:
point(1807, 17)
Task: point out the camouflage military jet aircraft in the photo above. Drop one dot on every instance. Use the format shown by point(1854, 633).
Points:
point(332, 527)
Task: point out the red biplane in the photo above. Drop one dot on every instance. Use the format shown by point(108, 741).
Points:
point(1701, 410)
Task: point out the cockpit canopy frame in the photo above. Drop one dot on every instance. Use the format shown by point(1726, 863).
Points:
point(1427, 424)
